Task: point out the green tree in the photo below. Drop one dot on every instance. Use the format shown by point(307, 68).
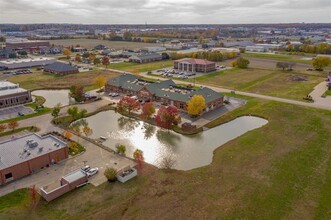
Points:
point(96, 61)
point(111, 174)
point(321, 62)
point(241, 63)
point(121, 149)
point(56, 110)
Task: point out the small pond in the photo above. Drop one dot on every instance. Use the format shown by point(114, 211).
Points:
point(189, 151)
point(53, 97)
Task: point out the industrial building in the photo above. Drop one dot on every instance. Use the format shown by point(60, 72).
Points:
point(24, 155)
point(61, 69)
point(25, 44)
point(26, 63)
point(11, 94)
point(145, 58)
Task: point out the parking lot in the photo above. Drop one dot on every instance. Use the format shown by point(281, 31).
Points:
point(15, 111)
point(173, 73)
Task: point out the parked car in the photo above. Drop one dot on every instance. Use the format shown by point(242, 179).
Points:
point(85, 168)
point(92, 171)
point(20, 113)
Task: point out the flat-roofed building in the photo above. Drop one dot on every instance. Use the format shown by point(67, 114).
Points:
point(194, 65)
point(145, 58)
point(25, 44)
point(67, 183)
point(12, 94)
point(24, 155)
point(59, 68)
point(26, 63)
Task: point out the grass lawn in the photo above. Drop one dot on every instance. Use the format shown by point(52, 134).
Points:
point(91, 43)
point(279, 171)
point(138, 68)
point(280, 57)
point(41, 80)
point(328, 92)
point(267, 82)
point(10, 132)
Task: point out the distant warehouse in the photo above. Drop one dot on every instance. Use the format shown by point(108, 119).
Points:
point(11, 94)
point(26, 63)
point(61, 69)
point(145, 58)
point(25, 44)
point(27, 154)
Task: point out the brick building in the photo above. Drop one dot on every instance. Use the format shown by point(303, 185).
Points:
point(11, 94)
point(25, 44)
point(67, 183)
point(194, 65)
point(166, 92)
point(27, 154)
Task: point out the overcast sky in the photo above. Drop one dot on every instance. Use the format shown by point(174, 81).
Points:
point(164, 11)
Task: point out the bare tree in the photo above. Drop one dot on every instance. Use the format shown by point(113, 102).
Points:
point(168, 161)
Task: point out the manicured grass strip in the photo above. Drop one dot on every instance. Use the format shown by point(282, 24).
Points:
point(13, 199)
point(31, 129)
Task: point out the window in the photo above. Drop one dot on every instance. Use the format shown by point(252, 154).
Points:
point(8, 175)
point(181, 106)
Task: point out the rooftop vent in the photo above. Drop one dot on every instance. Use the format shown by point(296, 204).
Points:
point(40, 149)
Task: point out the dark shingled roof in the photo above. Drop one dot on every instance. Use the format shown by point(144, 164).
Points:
point(164, 89)
point(126, 82)
point(60, 67)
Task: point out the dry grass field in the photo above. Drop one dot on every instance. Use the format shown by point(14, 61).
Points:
point(41, 80)
point(279, 171)
point(91, 43)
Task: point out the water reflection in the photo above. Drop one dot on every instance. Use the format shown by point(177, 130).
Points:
point(189, 151)
point(54, 96)
point(149, 130)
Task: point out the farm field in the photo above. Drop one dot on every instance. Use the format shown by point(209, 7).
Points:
point(91, 43)
point(265, 81)
point(279, 171)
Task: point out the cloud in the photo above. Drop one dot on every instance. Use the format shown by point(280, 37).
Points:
point(165, 11)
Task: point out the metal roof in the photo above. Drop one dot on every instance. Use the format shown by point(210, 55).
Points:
point(15, 151)
point(60, 67)
point(72, 177)
point(8, 88)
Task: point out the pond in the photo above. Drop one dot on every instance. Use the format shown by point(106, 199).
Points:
point(189, 151)
point(53, 97)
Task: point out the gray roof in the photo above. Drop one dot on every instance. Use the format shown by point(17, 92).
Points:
point(60, 67)
point(15, 151)
point(72, 177)
point(146, 56)
point(164, 89)
point(126, 82)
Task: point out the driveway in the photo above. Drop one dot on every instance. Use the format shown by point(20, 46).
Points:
point(317, 93)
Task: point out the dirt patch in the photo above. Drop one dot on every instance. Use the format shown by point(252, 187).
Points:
point(297, 78)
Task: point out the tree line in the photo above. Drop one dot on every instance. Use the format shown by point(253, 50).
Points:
point(214, 56)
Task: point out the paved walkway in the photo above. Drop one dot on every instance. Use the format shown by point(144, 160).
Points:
point(317, 93)
point(319, 105)
point(94, 156)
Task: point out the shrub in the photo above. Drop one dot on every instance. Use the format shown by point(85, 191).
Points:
point(110, 173)
point(121, 149)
